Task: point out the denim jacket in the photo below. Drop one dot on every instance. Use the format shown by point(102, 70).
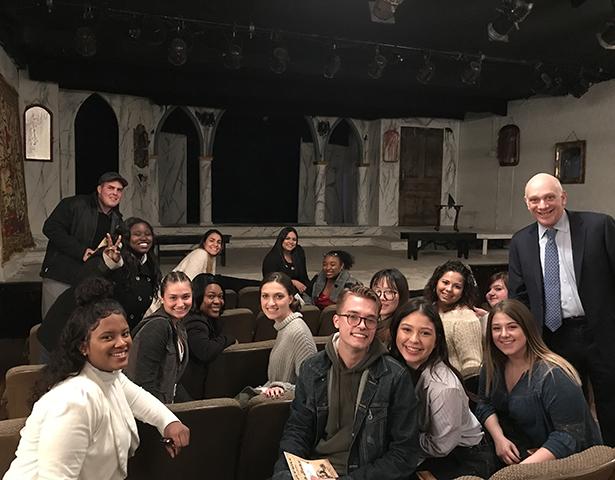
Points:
point(385, 434)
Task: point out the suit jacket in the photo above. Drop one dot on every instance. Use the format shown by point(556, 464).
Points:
point(593, 253)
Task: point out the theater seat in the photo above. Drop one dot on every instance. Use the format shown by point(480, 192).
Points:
point(215, 432)
point(238, 366)
point(326, 321)
point(239, 323)
point(264, 328)
point(9, 439)
point(260, 442)
point(595, 463)
point(311, 316)
point(249, 297)
point(20, 382)
point(34, 346)
point(321, 342)
point(230, 298)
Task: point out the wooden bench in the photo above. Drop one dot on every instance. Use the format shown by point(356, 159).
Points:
point(485, 237)
point(461, 239)
point(190, 241)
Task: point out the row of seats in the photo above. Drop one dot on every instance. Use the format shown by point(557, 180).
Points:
point(245, 326)
point(226, 441)
point(238, 366)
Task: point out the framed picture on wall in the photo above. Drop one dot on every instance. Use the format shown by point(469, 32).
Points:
point(570, 161)
point(37, 133)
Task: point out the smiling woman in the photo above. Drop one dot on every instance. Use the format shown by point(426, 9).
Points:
point(87, 402)
point(160, 344)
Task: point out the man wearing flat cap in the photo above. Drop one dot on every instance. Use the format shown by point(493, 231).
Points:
point(75, 229)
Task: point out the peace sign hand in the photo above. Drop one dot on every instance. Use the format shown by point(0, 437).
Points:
point(112, 250)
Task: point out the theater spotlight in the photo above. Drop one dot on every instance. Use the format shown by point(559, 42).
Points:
point(178, 52)
point(85, 41)
point(471, 73)
point(606, 38)
point(511, 14)
point(279, 60)
point(234, 54)
point(376, 67)
point(333, 64)
point(134, 29)
point(426, 72)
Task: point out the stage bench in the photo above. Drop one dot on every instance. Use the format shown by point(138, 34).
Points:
point(189, 241)
point(461, 239)
point(485, 237)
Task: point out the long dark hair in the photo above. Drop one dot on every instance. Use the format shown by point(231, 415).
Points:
point(286, 282)
point(440, 351)
point(470, 290)
point(94, 302)
point(133, 263)
point(199, 284)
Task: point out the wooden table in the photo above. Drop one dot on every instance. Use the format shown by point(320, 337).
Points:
point(190, 240)
point(462, 239)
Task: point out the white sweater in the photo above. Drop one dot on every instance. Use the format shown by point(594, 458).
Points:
point(84, 428)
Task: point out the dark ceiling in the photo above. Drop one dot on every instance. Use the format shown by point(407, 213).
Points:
point(558, 38)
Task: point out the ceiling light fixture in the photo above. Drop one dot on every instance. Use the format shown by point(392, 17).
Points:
point(472, 71)
point(333, 64)
point(385, 9)
point(606, 38)
point(234, 54)
point(134, 28)
point(177, 53)
point(511, 14)
point(376, 67)
point(427, 71)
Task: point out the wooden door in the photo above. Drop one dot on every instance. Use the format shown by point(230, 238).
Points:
point(420, 170)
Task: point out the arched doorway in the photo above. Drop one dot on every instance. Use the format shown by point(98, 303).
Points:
point(96, 143)
point(342, 156)
point(178, 146)
point(255, 172)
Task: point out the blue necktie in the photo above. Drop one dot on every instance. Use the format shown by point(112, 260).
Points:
point(553, 304)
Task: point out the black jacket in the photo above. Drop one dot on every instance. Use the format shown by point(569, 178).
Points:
point(206, 342)
point(71, 228)
point(274, 262)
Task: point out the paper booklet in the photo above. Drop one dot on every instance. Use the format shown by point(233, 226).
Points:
point(302, 469)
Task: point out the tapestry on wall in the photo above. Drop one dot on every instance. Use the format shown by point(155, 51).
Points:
point(15, 228)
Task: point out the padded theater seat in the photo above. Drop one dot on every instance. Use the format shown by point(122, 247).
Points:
point(9, 439)
point(215, 432)
point(20, 382)
point(239, 323)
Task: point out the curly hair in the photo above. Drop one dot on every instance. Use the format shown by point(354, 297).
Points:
point(94, 302)
point(132, 261)
point(469, 295)
point(346, 258)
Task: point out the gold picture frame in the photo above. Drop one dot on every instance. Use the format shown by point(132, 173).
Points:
point(570, 161)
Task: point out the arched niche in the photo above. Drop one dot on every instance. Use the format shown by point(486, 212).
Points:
point(343, 154)
point(256, 167)
point(178, 146)
point(96, 143)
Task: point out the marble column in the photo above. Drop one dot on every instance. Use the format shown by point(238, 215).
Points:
point(154, 191)
point(320, 188)
point(205, 187)
point(363, 195)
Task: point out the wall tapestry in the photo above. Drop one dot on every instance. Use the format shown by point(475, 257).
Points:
point(15, 228)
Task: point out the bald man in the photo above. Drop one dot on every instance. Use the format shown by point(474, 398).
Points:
point(570, 256)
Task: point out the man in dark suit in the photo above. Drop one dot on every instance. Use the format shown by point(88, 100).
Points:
point(563, 268)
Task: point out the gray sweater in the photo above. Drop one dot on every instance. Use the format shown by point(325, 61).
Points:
point(293, 345)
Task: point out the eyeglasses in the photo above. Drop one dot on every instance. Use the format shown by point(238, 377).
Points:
point(386, 294)
point(354, 320)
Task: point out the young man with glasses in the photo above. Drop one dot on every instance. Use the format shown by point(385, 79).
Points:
point(354, 404)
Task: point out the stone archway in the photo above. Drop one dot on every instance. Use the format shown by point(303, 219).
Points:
point(96, 143)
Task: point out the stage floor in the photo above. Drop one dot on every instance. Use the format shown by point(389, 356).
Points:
point(247, 262)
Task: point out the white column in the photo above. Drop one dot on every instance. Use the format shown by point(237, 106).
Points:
point(154, 192)
point(319, 193)
point(205, 188)
point(363, 195)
